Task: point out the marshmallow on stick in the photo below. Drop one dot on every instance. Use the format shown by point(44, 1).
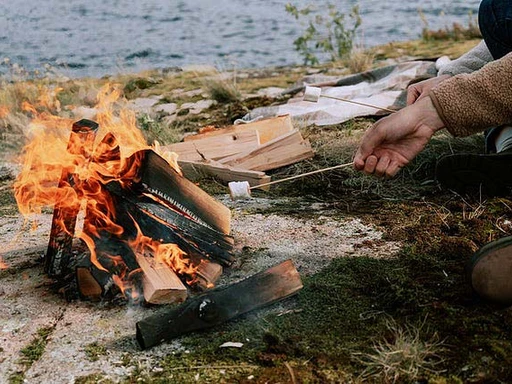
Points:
point(242, 189)
point(313, 94)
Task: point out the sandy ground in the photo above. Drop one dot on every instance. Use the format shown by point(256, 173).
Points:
point(262, 240)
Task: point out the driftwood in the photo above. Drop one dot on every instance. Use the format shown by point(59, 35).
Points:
point(220, 305)
point(57, 256)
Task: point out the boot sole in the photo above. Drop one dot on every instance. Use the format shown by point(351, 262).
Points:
point(489, 174)
point(491, 281)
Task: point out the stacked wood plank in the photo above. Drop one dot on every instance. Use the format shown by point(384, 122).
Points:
point(242, 152)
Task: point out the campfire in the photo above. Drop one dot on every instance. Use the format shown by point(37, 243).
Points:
point(145, 227)
point(147, 233)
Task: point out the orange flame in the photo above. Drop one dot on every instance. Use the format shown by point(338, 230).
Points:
point(4, 111)
point(52, 153)
point(166, 253)
point(2, 264)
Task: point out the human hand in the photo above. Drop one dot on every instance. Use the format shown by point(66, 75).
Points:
point(419, 90)
point(395, 140)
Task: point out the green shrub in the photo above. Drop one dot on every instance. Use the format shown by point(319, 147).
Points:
point(325, 34)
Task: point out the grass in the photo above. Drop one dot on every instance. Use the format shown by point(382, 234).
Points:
point(31, 353)
point(403, 355)
point(94, 351)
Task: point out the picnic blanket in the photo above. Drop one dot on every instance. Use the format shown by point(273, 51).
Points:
point(384, 87)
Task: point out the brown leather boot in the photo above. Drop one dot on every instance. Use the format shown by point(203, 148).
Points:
point(490, 271)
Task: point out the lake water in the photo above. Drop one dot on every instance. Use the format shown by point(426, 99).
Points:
point(98, 37)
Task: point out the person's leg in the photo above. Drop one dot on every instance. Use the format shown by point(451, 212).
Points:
point(495, 21)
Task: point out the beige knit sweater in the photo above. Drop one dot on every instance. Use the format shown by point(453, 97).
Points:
point(471, 103)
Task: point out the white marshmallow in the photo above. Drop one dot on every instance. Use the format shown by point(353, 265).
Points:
point(312, 93)
point(239, 190)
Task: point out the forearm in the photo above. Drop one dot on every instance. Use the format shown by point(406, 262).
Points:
point(470, 103)
point(469, 62)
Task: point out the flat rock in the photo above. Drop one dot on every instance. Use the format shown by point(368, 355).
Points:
point(167, 109)
point(197, 107)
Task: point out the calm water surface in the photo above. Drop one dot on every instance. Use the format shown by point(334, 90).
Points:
point(98, 37)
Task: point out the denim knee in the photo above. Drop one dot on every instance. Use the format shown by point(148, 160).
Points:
point(495, 21)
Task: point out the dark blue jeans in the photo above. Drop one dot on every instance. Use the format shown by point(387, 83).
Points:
point(495, 22)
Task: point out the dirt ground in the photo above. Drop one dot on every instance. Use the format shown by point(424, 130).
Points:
point(79, 331)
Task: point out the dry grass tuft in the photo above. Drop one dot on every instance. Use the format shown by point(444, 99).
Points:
point(360, 60)
point(405, 356)
point(223, 88)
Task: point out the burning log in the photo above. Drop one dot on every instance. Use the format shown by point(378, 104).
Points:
point(220, 305)
point(57, 256)
point(160, 284)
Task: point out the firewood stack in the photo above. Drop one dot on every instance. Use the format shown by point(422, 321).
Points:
point(242, 152)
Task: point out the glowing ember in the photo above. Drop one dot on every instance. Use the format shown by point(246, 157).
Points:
point(2, 264)
point(63, 171)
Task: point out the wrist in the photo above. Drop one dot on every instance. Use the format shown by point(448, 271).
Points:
point(430, 114)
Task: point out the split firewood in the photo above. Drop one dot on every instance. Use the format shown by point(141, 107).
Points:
point(57, 256)
point(208, 272)
point(220, 305)
point(161, 179)
point(160, 283)
point(194, 170)
point(268, 129)
point(284, 150)
point(216, 147)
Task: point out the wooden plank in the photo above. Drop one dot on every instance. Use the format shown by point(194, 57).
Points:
point(268, 129)
point(282, 151)
point(194, 171)
point(160, 283)
point(220, 305)
point(215, 147)
point(160, 178)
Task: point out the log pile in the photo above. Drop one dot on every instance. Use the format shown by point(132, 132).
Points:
point(242, 152)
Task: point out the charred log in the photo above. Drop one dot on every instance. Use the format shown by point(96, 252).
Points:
point(58, 254)
point(220, 305)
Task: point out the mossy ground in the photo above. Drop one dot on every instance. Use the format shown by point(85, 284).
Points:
point(419, 297)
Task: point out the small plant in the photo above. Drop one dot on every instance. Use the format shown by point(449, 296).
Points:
point(326, 35)
point(456, 32)
point(405, 356)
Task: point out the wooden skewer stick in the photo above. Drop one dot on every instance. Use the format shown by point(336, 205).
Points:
point(242, 189)
point(359, 103)
point(304, 174)
point(314, 93)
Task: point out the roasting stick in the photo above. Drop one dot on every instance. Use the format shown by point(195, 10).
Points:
point(313, 94)
point(242, 189)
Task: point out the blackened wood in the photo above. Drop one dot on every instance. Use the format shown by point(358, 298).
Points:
point(158, 176)
point(168, 226)
point(57, 256)
point(220, 305)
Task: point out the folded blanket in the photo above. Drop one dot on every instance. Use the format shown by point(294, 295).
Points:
point(384, 87)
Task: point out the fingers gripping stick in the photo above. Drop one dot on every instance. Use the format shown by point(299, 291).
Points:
point(313, 94)
point(242, 189)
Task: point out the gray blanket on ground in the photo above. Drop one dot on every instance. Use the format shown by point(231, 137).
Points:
point(384, 87)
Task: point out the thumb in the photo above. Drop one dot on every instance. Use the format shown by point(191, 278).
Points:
point(366, 148)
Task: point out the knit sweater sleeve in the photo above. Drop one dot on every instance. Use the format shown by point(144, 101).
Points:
point(469, 62)
point(470, 103)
